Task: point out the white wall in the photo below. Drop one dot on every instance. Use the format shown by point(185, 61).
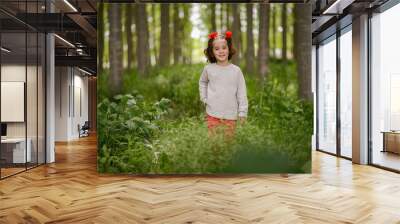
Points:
point(80, 102)
point(62, 81)
point(71, 93)
point(12, 73)
point(33, 126)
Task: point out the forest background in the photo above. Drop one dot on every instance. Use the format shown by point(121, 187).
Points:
point(150, 118)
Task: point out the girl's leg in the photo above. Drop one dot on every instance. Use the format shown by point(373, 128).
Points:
point(212, 124)
point(230, 128)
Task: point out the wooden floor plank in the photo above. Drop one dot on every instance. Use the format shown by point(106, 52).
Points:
point(71, 191)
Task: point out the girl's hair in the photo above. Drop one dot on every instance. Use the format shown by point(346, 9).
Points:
point(209, 50)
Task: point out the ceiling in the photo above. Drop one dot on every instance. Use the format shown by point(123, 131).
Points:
point(74, 22)
point(325, 20)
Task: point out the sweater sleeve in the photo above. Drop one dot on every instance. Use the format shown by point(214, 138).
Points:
point(242, 96)
point(203, 84)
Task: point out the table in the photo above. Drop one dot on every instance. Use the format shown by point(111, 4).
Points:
point(391, 141)
point(15, 148)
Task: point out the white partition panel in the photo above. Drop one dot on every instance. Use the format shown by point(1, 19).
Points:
point(12, 101)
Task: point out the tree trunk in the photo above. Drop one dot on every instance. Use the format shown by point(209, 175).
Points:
point(142, 49)
point(134, 40)
point(154, 25)
point(274, 33)
point(164, 37)
point(177, 34)
point(284, 31)
point(236, 33)
point(187, 28)
point(145, 9)
point(250, 40)
point(222, 17)
point(302, 48)
point(100, 31)
point(228, 17)
point(128, 31)
point(213, 18)
point(115, 44)
point(263, 41)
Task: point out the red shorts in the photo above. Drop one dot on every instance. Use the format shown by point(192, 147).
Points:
point(213, 122)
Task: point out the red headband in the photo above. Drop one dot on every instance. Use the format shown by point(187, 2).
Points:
point(213, 35)
point(228, 34)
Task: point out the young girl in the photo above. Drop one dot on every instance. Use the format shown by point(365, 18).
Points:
point(222, 85)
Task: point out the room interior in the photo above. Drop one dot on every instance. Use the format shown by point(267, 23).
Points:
point(41, 71)
point(334, 40)
point(22, 105)
point(26, 67)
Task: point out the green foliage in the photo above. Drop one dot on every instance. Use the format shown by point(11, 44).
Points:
point(279, 111)
point(162, 129)
point(178, 83)
point(126, 127)
point(185, 147)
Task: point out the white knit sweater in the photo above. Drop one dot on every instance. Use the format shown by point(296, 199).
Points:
point(223, 91)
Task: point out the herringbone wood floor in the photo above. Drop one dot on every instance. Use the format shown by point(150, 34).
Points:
point(71, 191)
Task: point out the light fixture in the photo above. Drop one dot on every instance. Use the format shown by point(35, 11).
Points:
point(64, 40)
point(84, 71)
point(5, 50)
point(80, 51)
point(70, 5)
point(337, 7)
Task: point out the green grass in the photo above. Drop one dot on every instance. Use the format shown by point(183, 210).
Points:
point(157, 126)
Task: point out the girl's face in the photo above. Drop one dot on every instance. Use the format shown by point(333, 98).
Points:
point(221, 50)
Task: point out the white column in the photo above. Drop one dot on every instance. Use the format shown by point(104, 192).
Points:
point(50, 93)
point(360, 90)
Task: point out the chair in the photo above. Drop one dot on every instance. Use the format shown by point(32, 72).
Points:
point(84, 130)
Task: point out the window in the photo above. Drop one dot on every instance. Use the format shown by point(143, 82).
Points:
point(327, 96)
point(346, 92)
point(22, 76)
point(385, 88)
